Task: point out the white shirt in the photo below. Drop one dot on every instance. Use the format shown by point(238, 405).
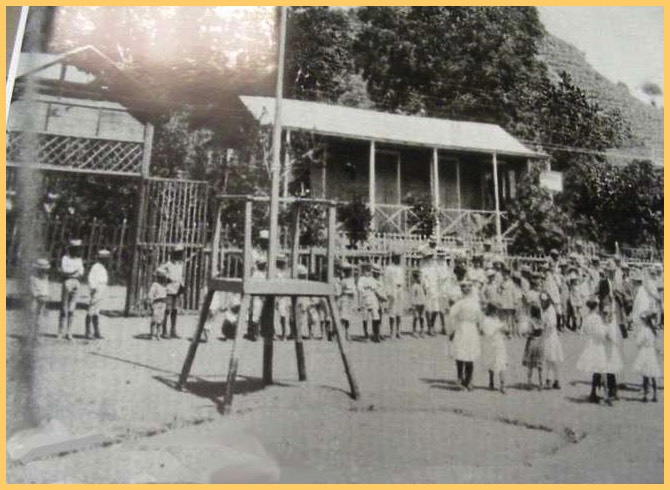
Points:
point(174, 271)
point(97, 277)
point(72, 267)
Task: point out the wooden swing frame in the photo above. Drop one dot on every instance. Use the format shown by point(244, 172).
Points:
point(248, 287)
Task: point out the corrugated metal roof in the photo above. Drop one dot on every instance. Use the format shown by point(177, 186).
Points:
point(364, 124)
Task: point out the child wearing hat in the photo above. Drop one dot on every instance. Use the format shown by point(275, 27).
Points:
point(173, 270)
point(593, 359)
point(257, 302)
point(552, 346)
point(369, 301)
point(97, 284)
point(394, 280)
point(283, 303)
point(646, 361)
point(430, 280)
point(72, 270)
point(157, 296)
point(494, 351)
point(533, 354)
point(418, 300)
point(347, 297)
point(39, 292)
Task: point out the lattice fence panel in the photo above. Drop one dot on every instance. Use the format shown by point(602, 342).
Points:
point(74, 153)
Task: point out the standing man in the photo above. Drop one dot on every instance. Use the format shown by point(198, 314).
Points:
point(173, 271)
point(394, 279)
point(98, 279)
point(72, 270)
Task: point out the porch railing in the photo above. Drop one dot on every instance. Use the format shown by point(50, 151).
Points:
point(468, 224)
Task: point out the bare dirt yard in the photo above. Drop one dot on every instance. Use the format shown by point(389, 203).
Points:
point(411, 425)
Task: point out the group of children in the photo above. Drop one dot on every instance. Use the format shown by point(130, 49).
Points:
point(479, 303)
point(163, 296)
point(72, 273)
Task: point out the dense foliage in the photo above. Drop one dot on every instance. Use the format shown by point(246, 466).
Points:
point(466, 63)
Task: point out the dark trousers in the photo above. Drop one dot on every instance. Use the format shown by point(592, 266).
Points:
point(596, 381)
point(611, 385)
point(464, 369)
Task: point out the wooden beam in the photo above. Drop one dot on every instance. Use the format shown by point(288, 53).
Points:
point(148, 148)
point(330, 254)
point(371, 177)
point(276, 149)
point(398, 179)
point(458, 184)
point(246, 257)
point(494, 161)
point(436, 192)
point(287, 162)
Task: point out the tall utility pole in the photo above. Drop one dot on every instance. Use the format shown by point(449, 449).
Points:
point(276, 150)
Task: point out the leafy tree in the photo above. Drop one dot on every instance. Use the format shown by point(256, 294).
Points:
point(422, 216)
point(539, 225)
point(320, 53)
point(568, 120)
point(356, 219)
point(468, 63)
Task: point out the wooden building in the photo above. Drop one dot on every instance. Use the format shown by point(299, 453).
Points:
point(78, 112)
point(470, 171)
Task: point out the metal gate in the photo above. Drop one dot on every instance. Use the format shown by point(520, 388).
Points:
point(172, 212)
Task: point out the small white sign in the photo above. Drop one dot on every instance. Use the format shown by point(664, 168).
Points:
point(552, 180)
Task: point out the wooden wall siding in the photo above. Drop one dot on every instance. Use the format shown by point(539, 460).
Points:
point(415, 174)
point(66, 152)
point(448, 182)
point(74, 117)
point(386, 178)
point(175, 214)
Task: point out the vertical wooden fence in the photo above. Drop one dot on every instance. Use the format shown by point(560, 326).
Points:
point(175, 213)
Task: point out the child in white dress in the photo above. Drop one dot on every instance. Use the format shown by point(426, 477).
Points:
point(553, 349)
point(347, 297)
point(593, 359)
point(646, 362)
point(613, 341)
point(494, 350)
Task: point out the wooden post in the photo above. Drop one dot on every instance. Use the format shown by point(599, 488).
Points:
point(276, 150)
point(496, 197)
point(216, 242)
point(299, 347)
point(371, 183)
point(287, 162)
point(436, 192)
point(267, 332)
point(335, 320)
point(234, 355)
point(119, 254)
point(133, 279)
point(133, 276)
point(458, 184)
point(398, 180)
point(246, 252)
point(330, 253)
point(195, 341)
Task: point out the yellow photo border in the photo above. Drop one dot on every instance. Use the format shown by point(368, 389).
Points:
point(3, 19)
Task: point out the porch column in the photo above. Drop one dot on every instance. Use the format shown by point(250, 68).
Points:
point(496, 197)
point(436, 191)
point(458, 183)
point(287, 162)
point(371, 178)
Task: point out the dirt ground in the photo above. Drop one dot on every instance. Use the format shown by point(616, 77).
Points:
point(411, 425)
